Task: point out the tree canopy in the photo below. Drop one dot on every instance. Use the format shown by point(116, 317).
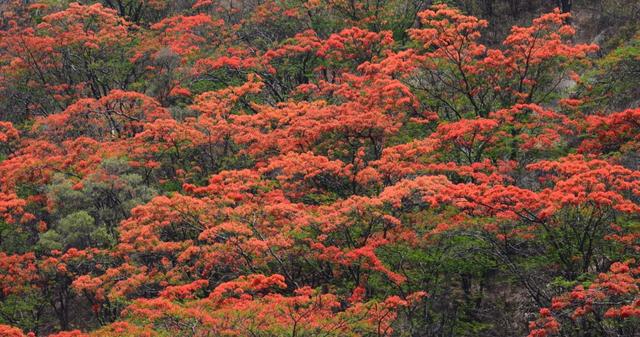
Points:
point(317, 168)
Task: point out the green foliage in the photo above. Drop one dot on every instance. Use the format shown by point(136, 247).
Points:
point(615, 81)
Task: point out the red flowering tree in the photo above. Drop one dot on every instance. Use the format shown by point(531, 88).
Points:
point(306, 168)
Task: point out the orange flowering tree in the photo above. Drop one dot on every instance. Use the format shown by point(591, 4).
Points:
point(308, 168)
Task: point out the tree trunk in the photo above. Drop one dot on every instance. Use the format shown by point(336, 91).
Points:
point(488, 8)
point(513, 8)
point(565, 5)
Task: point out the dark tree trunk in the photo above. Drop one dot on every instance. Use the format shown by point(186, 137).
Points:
point(488, 8)
point(513, 8)
point(565, 5)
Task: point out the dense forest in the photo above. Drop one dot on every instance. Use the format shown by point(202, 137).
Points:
point(319, 168)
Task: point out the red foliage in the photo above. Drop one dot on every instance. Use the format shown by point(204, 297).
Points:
point(305, 182)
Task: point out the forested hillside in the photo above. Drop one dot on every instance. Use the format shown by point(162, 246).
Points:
point(320, 168)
